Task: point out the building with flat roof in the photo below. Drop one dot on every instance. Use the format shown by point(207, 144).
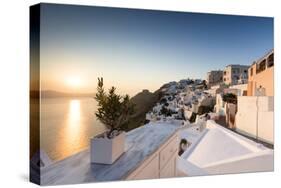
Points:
point(235, 74)
point(214, 77)
point(260, 82)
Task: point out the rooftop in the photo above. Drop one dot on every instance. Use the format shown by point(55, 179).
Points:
point(140, 143)
point(236, 65)
point(218, 151)
point(261, 58)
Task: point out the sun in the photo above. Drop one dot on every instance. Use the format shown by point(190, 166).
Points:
point(74, 82)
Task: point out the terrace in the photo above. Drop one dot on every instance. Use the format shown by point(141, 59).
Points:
point(217, 150)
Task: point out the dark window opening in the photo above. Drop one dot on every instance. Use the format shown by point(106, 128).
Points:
point(261, 66)
point(270, 61)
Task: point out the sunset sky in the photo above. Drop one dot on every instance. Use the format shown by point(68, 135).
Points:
point(142, 49)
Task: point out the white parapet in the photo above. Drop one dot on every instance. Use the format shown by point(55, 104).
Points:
point(218, 150)
point(255, 117)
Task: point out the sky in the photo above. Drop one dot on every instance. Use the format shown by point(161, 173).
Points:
point(142, 49)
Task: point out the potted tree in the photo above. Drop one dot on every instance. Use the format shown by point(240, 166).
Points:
point(113, 111)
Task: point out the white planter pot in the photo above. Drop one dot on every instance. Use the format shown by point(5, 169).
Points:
point(106, 151)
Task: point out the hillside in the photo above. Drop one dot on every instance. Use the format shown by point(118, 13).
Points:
point(144, 102)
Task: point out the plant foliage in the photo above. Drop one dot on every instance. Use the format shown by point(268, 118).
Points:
point(113, 110)
point(230, 98)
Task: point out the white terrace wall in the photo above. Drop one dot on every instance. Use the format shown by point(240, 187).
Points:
point(219, 107)
point(241, 89)
point(255, 117)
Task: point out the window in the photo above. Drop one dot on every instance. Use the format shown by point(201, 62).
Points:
point(261, 66)
point(252, 71)
point(235, 71)
point(270, 60)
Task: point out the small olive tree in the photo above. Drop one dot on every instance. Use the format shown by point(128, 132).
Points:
point(230, 98)
point(114, 110)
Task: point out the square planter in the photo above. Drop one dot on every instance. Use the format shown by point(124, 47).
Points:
point(107, 151)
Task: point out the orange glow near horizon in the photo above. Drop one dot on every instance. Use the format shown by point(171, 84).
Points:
point(74, 82)
point(70, 73)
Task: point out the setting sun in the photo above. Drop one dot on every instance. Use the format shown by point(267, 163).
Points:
point(74, 82)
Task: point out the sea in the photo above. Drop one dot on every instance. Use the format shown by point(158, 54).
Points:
point(67, 125)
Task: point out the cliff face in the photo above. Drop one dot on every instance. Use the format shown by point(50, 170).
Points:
point(144, 102)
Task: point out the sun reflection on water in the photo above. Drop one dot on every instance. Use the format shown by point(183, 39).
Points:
point(74, 112)
point(72, 132)
point(68, 126)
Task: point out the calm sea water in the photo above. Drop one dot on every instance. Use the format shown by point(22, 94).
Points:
point(67, 124)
